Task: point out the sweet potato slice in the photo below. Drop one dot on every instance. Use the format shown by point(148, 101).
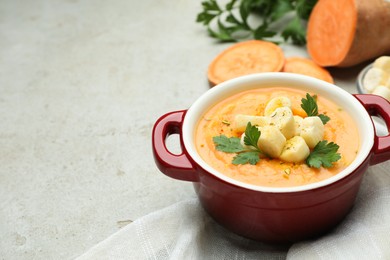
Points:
point(245, 58)
point(306, 67)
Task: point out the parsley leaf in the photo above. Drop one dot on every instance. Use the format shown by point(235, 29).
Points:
point(324, 154)
point(324, 118)
point(295, 31)
point(228, 145)
point(304, 8)
point(310, 105)
point(210, 10)
point(261, 32)
point(311, 108)
point(252, 135)
point(280, 8)
point(245, 9)
point(247, 157)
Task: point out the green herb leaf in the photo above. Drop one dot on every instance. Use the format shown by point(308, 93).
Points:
point(280, 8)
point(245, 9)
point(263, 7)
point(310, 105)
point(224, 32)
point(324, 154)
point(295, 31)
point(304, 8)
point(230, 5)
point(232, 19)
point(261, 32)
point(247, 157)
point(324, 118)
point(210, 10)
point(211, 5)
point(228, 145)
point(252, 135)
point(311, 108)
point(204, 18)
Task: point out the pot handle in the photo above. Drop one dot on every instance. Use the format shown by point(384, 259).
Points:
point(177, 166)
point(378, 106)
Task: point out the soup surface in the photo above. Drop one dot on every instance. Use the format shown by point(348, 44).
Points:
point(218, 121)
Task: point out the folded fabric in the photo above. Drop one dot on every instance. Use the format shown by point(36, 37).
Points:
point(185, 231)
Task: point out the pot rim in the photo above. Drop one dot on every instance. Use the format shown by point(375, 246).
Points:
point(268, 79)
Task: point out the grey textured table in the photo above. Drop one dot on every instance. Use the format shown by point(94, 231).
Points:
point(81, 84)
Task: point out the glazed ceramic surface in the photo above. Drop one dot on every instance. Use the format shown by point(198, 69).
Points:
point(267, 213)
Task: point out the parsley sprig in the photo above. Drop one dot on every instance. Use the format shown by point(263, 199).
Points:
point(324, 154)
point(311, 108)
point(233, 145)
point(232, 20)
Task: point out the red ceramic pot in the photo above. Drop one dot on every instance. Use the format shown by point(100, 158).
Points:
point(266, 213)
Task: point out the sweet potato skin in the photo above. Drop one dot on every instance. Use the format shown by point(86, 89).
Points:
point(371, 37)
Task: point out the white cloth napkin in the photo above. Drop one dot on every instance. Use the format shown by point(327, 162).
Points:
point(185, 231)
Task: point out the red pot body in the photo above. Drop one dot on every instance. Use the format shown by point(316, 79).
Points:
point(280, 217)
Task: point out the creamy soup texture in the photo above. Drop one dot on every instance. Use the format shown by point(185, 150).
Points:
point(218, 120)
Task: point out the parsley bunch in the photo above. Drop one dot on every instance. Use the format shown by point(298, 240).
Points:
point(232, 20)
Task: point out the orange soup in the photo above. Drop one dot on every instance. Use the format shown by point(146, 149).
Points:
point(219, 120)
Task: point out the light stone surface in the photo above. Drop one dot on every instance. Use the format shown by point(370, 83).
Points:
point(81, 85)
